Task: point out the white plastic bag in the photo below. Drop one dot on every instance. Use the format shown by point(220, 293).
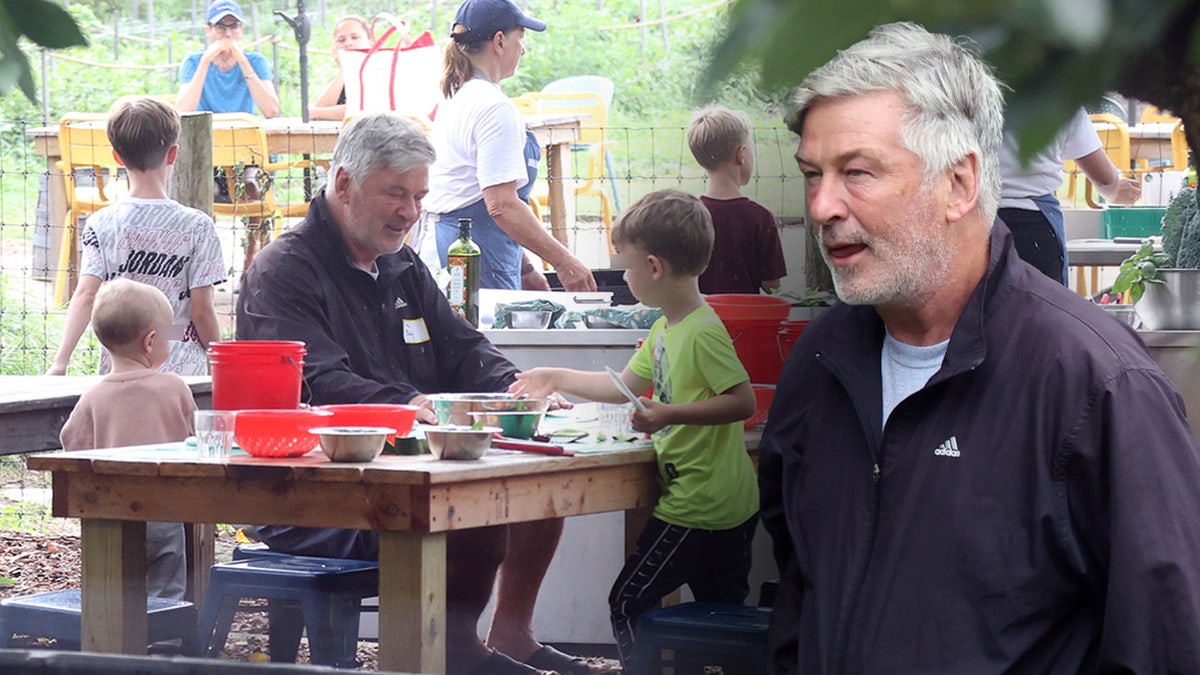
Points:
point(405, 78)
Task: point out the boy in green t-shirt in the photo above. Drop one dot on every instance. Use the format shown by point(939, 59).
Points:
point(704, 521)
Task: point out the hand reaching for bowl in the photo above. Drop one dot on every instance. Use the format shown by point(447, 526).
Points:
point(425, 415)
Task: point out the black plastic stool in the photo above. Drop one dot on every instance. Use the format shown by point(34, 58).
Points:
point(57, 614)
point(328, 593)
point(714, 630)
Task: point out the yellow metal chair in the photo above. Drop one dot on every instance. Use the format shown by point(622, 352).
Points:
point(83, 144)
point(1114, 136)
point(592, 141)
point(239, 141)
point(1152, 114)
point(1179, 148)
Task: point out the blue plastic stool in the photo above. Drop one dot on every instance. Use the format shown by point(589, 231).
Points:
point(56, 614)
point(322, 594)
point(735, 632)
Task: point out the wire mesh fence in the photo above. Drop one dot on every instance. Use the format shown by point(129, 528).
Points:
point(37, 246)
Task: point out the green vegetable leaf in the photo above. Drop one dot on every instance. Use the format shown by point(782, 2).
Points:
point(44, 22)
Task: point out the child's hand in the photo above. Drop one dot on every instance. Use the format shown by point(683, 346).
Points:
point(656, 417)
point(536, 383)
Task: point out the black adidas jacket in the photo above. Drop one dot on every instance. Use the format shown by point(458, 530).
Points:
point(368, 340)
point(1035, 508)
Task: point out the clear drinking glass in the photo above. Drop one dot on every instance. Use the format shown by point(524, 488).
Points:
point(214, 434)
point(615, 418)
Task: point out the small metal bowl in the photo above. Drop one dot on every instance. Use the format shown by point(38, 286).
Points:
point(352, 444)
point(513, 424)
point(529, 318)
point(595, 322)
point(457, 408)
point(459, 442)
point(1126, 314)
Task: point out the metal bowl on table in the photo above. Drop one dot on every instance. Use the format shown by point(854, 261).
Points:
point(513, 424)
point(457, 408)
point(459, 442)
point(352, 444)
point(535, 319)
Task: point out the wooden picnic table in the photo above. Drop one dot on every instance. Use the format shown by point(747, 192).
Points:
point(412, 501)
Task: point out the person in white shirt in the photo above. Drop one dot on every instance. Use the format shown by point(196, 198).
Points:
point(484, 155)
point(1028, 205)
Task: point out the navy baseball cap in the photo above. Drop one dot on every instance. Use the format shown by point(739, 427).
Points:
point(223, 8)
point(484, 18)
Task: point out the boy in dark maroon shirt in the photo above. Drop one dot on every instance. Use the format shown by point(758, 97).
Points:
point(747, 256)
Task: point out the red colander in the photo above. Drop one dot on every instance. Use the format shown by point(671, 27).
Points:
point(278, 433)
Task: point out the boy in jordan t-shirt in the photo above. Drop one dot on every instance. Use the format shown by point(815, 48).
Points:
point(150, 238)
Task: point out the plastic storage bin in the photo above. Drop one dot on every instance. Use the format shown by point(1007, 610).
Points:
point(1133, 221)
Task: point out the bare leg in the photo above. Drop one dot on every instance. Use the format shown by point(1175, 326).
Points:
point(472, 557)
point(254, 233)
point(531, 548)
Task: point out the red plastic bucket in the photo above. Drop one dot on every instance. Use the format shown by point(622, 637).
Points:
point(738, 306)
point(753, 323)
point(789, 332)
point(248, 374)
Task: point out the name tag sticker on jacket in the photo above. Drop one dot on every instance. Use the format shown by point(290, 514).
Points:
point(415, 331)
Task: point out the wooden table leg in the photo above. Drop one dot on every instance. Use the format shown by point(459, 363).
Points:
point(557, 180)
point(114, 586)
point(201, 544)
point(412, 602)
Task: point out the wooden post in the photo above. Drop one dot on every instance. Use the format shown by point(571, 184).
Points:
point(191, 182)
point(114, 586)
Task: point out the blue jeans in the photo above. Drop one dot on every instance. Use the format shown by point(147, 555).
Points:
point(501, 256)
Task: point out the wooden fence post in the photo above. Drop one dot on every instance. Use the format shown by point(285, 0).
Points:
point(191, 182)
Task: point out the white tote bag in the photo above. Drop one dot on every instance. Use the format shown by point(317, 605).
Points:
point(405, 78)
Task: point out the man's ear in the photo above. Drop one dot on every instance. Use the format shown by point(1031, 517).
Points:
point(740, 156)
point(963, 194)
point(341, 185)
point(117, 158)
point(172, 154)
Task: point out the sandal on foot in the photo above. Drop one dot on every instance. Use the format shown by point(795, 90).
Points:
point(549, 658)
point(500, 664)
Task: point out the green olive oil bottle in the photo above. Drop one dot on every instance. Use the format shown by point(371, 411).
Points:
point(463, 261)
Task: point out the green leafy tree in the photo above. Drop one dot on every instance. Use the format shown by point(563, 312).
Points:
point(43, 22)
point(1055, 55)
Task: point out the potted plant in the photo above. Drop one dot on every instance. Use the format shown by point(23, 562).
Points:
point(1165, 285)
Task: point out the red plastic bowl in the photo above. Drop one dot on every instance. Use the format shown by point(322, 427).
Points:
point(764, 394)
point(278, 433)
point(749, 306)
point(394, 415)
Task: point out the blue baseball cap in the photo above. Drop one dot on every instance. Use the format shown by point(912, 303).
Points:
point(485, 18)
point(223, 8)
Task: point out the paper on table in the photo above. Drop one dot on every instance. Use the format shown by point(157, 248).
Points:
point(616, 378)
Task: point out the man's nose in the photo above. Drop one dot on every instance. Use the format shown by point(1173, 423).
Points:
point(826, 201)
point(410, 209)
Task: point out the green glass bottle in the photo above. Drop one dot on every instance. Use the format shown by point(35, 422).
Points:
point(463, 261)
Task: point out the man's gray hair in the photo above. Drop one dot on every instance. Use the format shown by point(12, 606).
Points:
point(955, 104)
point(376, 141)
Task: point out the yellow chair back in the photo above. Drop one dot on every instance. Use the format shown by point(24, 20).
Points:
point(1114, 135)
point(592, 140)
point(1179, 148)
point(83, 144)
